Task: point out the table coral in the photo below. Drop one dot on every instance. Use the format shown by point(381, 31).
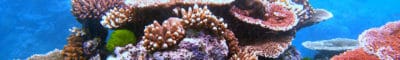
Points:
point(383, 41)
point(379, 42)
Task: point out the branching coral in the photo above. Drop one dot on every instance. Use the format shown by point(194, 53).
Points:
point(73, 50)
point(163, 36)
point(93, 9)
point(118, 16)
point(202, 18)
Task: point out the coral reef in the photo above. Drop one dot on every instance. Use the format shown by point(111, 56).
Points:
point(120, 37)
point(52, 55)
point(379, 42)
point(192, 29)
point(73, 50)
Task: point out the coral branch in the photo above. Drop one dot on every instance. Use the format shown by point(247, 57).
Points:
point(163, 36)
point(118, 16)
point(92, 9)
point(73, 50)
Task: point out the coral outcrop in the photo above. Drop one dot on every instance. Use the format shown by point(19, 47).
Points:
point(356, 54)
point(192, 29)
point(380, 42)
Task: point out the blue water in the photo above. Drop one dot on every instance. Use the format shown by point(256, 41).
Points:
point(38, 26)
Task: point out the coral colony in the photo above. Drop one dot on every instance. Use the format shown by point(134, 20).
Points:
point(205, 30)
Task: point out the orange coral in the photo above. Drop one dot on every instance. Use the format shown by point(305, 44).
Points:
point(383, 41)
point(356, 54)
point(73, 50)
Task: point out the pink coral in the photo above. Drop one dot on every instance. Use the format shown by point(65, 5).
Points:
point(382, 41)
point(356, 54)
point(279, 18)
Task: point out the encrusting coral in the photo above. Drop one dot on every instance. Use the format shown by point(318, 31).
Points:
point(380, 42)
point(120, 37)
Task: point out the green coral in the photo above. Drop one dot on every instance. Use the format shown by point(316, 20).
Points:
point(120, 37)
point(306, 58)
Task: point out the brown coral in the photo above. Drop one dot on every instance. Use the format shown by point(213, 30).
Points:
point(356, 54)
point(118, 16)
point(383, 41)
point(163, 36)
point(92, 9)
point(270, 47)
point(244, 55)
point(202, 18)
point(73, 50)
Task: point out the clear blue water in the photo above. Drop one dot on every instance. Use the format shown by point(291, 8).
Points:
point(38, 26)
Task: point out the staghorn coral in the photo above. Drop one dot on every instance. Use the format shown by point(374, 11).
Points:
point(383, 41)
point(73, 50)
point(356, 54)
point(163, 36)
point(52, 55)
point(120, 37)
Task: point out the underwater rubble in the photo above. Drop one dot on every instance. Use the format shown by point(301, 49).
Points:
point(189, 29)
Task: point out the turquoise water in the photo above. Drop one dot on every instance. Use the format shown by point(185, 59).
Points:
point(38, 26)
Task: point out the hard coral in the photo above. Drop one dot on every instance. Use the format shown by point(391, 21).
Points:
point(163, 36)
point(73, 50)
point(120, 37)
point(93, 9)
point(118, 16)
point(356, 54)
point(383, 41)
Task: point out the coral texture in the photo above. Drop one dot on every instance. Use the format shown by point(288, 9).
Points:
point(163, 36)
point(383, 41)
point(93, 9)
point(356, 54)
point(117, 17)
point(73, 50)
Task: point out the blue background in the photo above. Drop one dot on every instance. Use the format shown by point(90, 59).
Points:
point(30, 27)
